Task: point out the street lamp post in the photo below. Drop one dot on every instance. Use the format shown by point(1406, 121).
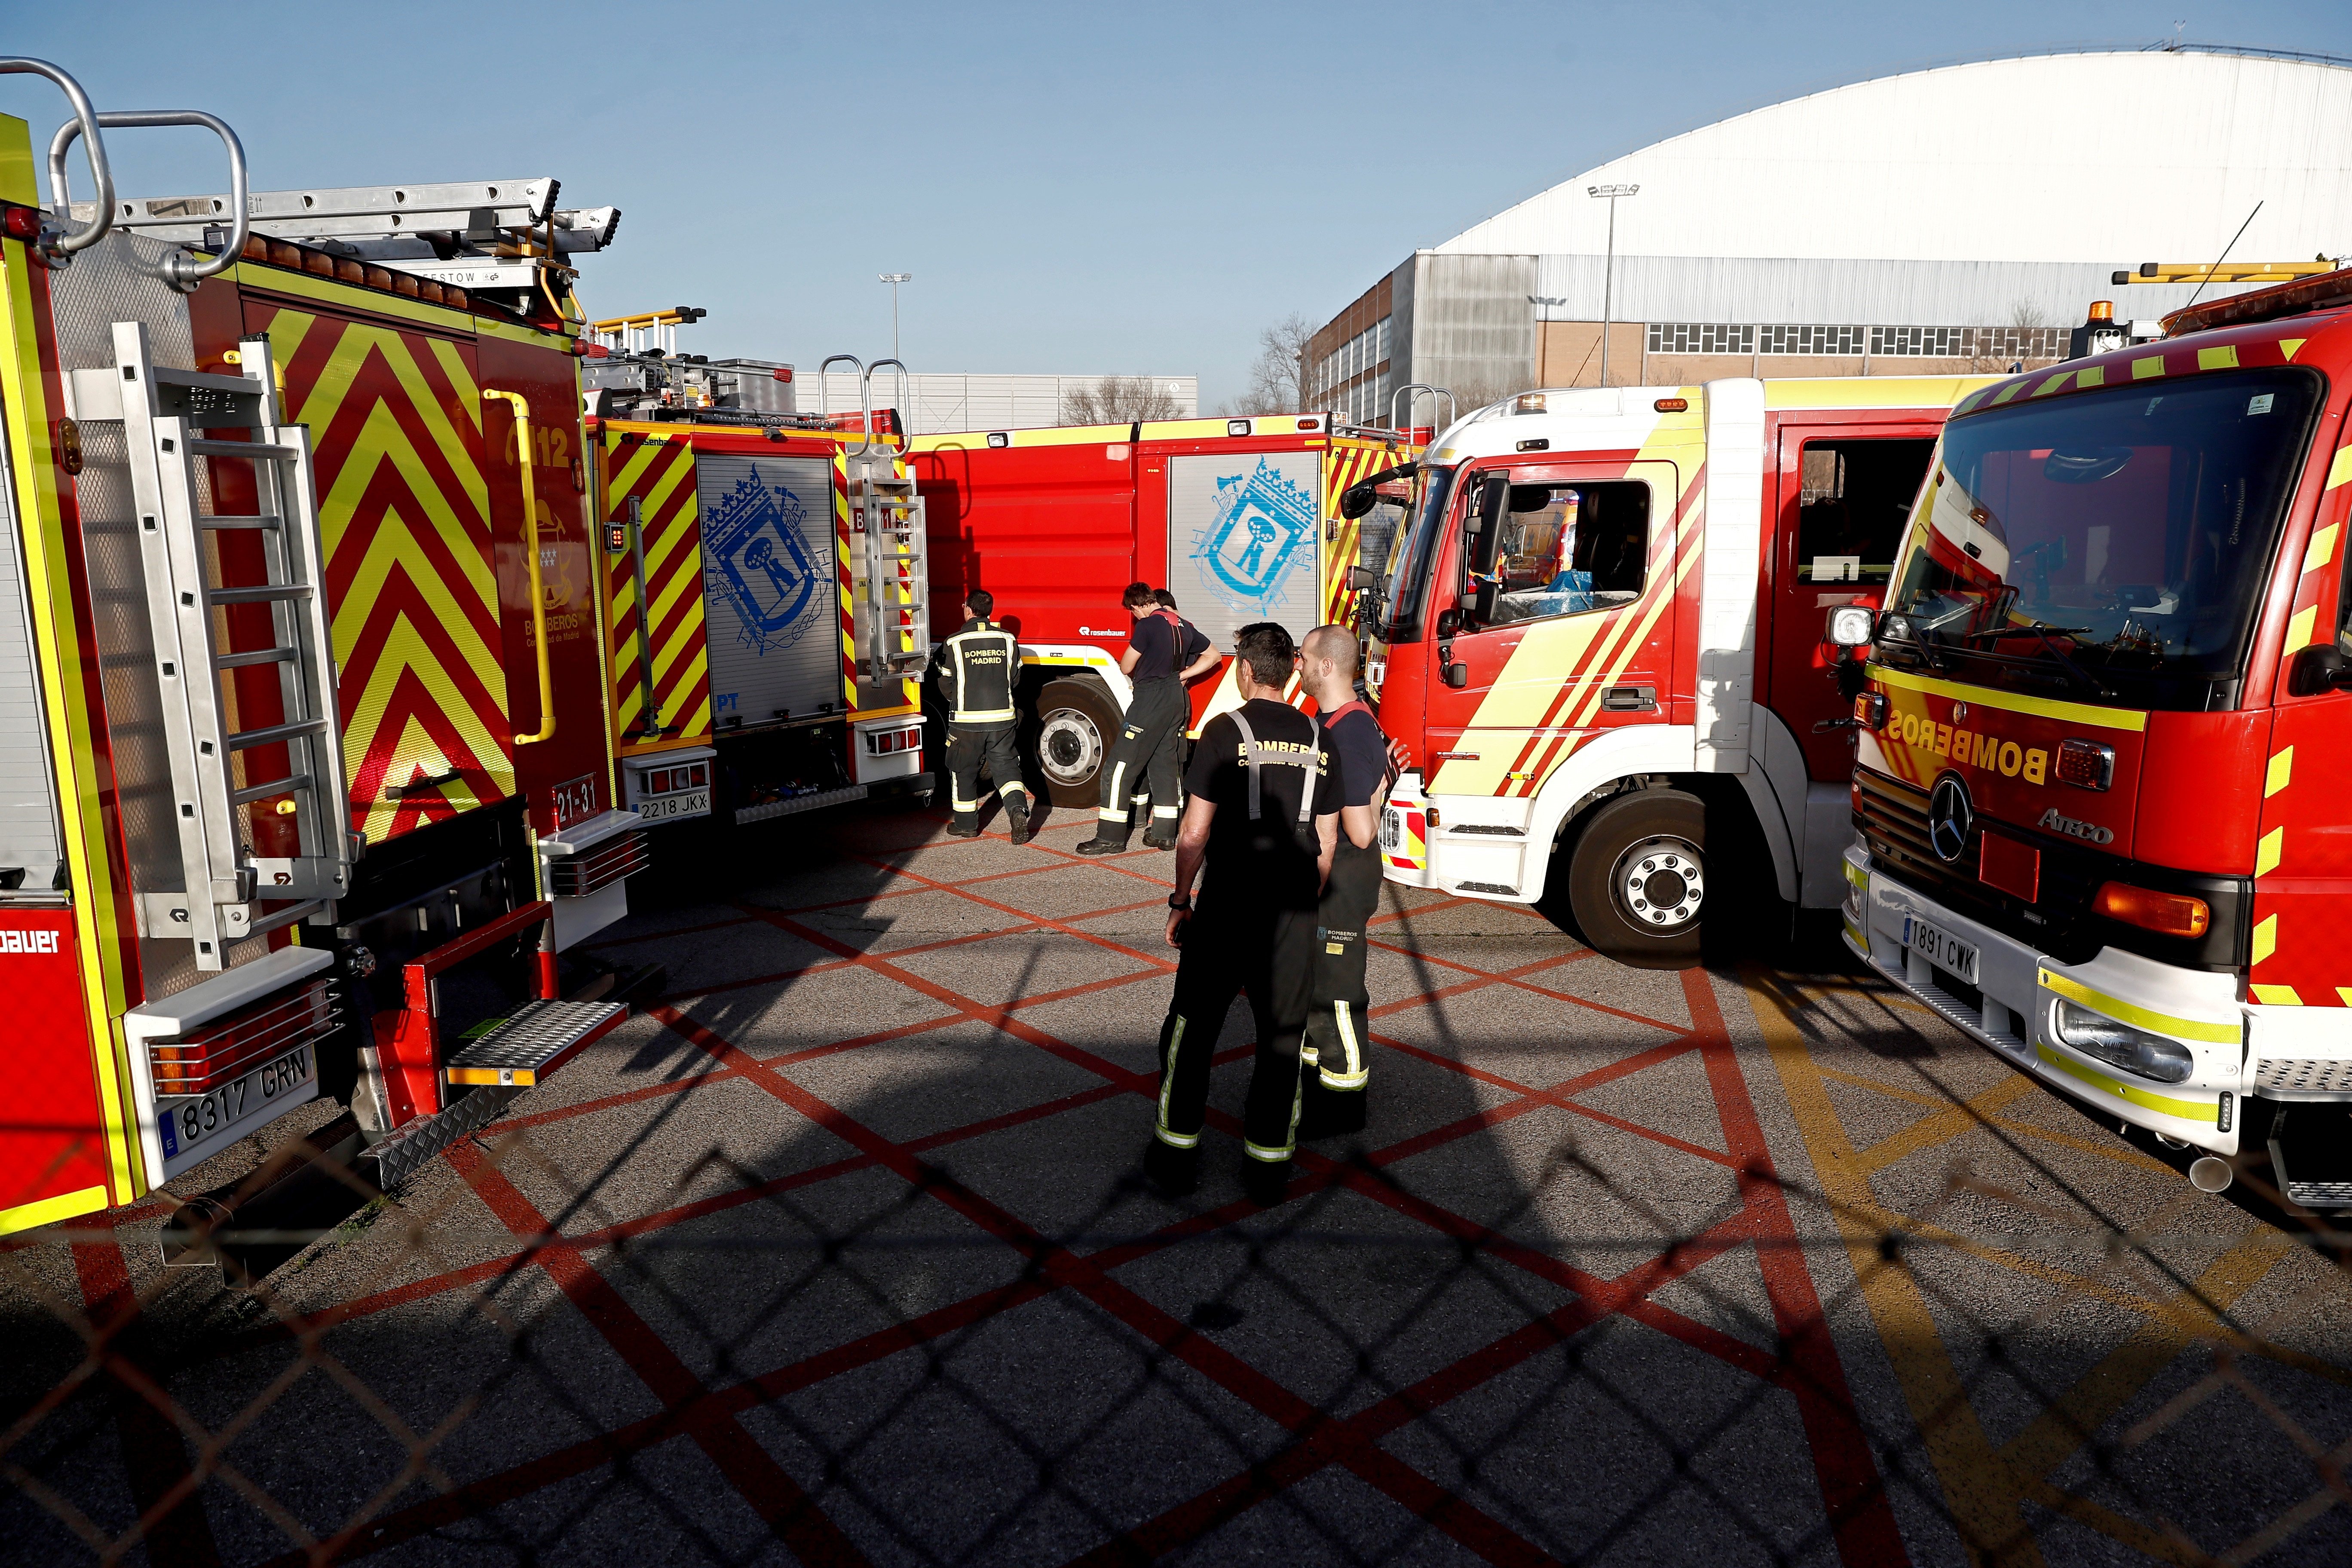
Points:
point(1609, 263)
point(894, 279)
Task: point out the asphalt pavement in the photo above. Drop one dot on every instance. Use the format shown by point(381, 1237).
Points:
point(838, 1252)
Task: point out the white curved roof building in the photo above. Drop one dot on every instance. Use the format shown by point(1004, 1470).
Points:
point(1952, 218)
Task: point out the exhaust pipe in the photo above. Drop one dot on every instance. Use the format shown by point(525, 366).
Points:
point(2208, 1173)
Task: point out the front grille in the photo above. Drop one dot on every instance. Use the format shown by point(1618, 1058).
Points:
point(2303, 1075)
point(1892, 818)
point(226, 1049)
point(577, 876)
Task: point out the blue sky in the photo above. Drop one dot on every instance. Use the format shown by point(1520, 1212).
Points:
point(1078, 189)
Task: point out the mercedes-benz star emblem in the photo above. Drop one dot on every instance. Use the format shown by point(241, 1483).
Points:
point(1950, 818)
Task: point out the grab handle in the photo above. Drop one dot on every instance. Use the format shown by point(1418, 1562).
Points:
point(182, 271)
point(66, 239)
point(904, 387)
point(546, 729)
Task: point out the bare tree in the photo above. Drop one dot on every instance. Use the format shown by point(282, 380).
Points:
point(1120, 399)
point(1278, 378)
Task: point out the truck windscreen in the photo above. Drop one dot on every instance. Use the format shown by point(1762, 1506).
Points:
point(1408, 573)
point(2112, 542)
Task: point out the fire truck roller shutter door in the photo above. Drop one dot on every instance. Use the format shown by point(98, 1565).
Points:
point(769, 575)
point(1242, 540)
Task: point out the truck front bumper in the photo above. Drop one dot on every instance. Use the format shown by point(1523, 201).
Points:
point(2017, 992)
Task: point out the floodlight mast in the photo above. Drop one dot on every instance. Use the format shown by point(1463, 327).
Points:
point(1609, 263)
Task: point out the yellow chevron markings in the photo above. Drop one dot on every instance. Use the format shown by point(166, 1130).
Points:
point(407, 651)
point(343, 368)
point(453, 365)
point(380, 440)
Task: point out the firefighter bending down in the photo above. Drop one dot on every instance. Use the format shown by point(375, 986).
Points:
point(976, 670)
point(1264, 813)
point(1336, 1069)
point(1152, 736)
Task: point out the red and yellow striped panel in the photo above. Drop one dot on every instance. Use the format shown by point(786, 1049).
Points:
point(395, 420)
point(1343, 465)
point(658, 472)
point(847, 537)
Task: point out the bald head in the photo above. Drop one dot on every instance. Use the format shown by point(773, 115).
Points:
point(1327, 662)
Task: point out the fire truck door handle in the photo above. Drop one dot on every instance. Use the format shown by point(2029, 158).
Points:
point(1628, 700)
point(530, 553)
point(86, 118)
point(181, 270)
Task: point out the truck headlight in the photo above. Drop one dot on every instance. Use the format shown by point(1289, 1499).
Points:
point(2136, 1051)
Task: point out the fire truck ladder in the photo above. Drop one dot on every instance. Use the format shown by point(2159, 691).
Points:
point(883, 503)
point(214, 790)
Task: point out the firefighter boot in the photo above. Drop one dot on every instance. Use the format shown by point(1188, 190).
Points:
point(1016, 815)
point(1161, 834)
point(1171, 1171)
point(1267, 1182)
point(1103, 842)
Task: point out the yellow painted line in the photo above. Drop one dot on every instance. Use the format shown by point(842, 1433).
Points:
point(1978, 1488)
point(2128, 719)
point(1949, 1121)
point(354, 297)
point(2186, 1109)
point(2143, 1017)
point(2104, 1149)
point(48, 1211)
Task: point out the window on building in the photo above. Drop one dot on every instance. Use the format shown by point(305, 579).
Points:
point(1701, 338)
point(1816, 339)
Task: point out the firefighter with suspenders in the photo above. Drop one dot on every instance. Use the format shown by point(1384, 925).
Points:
point(1151, 740)
point(1333, 1059)
point(976, 670)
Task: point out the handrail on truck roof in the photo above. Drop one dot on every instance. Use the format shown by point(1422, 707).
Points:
point(183, 272)
point(66, 239)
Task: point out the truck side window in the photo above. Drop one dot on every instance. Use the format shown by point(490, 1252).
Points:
point(1565, 549)
point(1857, 496)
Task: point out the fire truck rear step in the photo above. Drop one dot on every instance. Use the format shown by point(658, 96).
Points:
point(225, 876)
point(539, 1038)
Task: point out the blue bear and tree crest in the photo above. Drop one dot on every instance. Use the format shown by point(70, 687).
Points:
point(753, 537)
point(1256, 537)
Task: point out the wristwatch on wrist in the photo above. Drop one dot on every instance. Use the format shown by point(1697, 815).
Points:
point(1180, 900)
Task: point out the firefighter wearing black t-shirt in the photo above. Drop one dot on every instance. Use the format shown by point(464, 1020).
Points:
point(1151, 737)
point(977, 669)
point(1338, 1068)
point(1264, 814)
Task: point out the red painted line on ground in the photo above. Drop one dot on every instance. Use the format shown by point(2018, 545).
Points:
point(749, 1468)
point(1852, 1492)
point(164, 1484)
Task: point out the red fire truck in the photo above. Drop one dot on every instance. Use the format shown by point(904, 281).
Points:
point(306, 777)
point(2099, 790)
point(1601, 637)
point(765, 582)
point(1240, 518)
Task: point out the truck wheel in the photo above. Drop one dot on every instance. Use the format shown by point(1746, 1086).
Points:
point(1637, 882)
point(1077, 722)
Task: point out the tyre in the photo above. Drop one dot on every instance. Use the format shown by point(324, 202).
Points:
point(1077, 722)
point(1638, 881)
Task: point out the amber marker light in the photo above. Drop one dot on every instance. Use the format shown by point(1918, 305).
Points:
point(2169, 914)
point(1670, 405)
point(1870, 710)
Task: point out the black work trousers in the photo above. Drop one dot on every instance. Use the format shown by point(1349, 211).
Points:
point(972, 747)
point(1231, 946)
point(1151, 745)
point(1338, 1064)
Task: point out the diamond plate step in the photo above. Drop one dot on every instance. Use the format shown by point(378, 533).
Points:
point(517, 1051)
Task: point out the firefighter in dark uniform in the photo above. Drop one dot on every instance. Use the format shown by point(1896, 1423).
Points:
point(977, 669)
point(1263, 812)
point(1190, 646)
point(1151, 737)
point(1335, 1063)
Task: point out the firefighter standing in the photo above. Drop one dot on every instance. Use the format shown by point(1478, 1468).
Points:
point(976, 670)
point(1149, 739)
point(1336, 1068)
point(1264, 814)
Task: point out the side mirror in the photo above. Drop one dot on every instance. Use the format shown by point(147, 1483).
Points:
point(2319, 669)
point(1356, 501)
point(1449, 622)
point(1853, 679)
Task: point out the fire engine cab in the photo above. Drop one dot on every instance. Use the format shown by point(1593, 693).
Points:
point(1602, 637)
point(2100, 792)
